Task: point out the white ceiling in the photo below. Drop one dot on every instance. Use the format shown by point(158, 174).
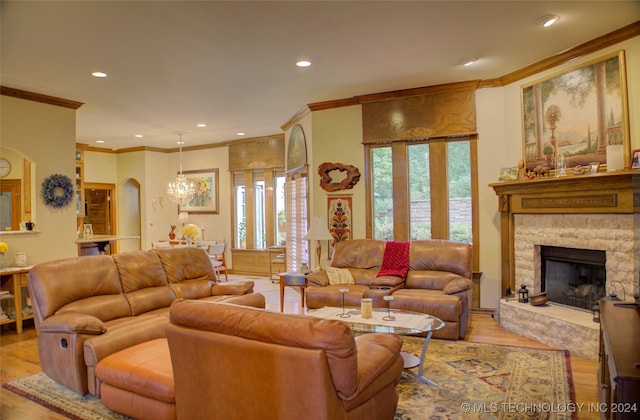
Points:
point(173, 64)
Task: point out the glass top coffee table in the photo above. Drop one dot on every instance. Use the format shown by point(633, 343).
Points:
point(393, 321)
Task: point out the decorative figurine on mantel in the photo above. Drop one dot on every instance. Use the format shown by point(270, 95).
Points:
point(522, 171)
point(579, 170)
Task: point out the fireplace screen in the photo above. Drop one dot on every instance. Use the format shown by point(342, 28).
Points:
point(573, 277)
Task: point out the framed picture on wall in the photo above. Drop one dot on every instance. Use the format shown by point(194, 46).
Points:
point(205, 199)
point(581, 113)
point(635, 159)
point(340, 223)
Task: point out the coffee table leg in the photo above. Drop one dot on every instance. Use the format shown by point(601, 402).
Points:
point(411, 361)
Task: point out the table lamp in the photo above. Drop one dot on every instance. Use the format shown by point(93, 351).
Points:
point(318, 231)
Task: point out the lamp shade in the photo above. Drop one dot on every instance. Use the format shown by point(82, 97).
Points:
point(318, 230)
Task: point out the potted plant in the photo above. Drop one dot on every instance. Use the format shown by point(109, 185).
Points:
point(548, 152)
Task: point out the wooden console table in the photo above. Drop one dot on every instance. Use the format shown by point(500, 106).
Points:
point(14, 281)
point(619, 369)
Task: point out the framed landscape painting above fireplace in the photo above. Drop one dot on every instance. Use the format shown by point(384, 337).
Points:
point(582, 113)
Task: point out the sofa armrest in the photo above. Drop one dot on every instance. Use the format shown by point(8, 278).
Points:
point(318, 278)
point(73, 323)
point(457, 286)
point(379, 363)
point(236, 288)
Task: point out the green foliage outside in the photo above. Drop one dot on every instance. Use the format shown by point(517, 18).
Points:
point(459, 186)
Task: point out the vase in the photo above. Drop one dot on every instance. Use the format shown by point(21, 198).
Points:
point(172, 234)
point(1, 260)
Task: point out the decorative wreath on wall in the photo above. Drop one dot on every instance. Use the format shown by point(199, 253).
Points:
point(57, 191)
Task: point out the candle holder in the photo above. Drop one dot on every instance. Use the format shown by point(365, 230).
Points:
point(343, 314)
point(388, 317)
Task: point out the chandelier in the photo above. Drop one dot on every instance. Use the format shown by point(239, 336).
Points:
point(181, 191)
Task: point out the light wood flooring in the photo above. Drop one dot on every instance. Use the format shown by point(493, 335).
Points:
point(19, 357)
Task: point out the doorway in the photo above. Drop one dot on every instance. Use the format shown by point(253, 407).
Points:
point(10, 211)
point(99, 205)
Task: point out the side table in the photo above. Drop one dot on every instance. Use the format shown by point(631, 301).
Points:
point(295, 279)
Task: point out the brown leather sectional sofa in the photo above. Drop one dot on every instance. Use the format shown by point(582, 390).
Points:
point(438, 281)
point(86, 308)
point(222, 361)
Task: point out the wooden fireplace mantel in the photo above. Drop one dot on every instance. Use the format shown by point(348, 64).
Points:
point(601, 193)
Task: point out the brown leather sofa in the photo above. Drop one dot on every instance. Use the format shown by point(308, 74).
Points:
point(233, 362)
point(438, 281)
point(88, 307)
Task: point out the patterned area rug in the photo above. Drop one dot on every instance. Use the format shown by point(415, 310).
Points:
point(482, 381)
point(473, 381)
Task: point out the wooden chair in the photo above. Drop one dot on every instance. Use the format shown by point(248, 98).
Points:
point(160, 244)
point(216, 255)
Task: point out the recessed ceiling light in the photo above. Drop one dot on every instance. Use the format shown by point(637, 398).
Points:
point(240, 133)
point(548, 20)
point(139, 136)
point(99, 141)
point(99, 74)
point(303, 63)
point(469, 61)
point(201, 125)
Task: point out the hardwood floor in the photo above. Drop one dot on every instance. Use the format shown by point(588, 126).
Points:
point(19, 357)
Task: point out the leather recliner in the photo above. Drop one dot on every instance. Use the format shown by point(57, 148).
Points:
point(238, 362)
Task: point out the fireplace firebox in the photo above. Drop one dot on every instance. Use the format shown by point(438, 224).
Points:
point(573, 277)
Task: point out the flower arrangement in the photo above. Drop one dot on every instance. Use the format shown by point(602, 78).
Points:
point(552, 116)
point(3, 247)
point(57, 190)
point(190, 230)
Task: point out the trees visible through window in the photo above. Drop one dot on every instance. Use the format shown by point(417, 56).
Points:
point(436, 181)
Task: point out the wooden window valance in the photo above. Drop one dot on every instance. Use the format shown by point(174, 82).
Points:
point(257, 153)
point(444, 112)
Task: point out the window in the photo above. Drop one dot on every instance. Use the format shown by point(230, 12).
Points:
point(259, 199)
point(382, 194)
point(279, 203)
point(296, 203)
point(434, 177)
point(258, 207)
point(240, 214)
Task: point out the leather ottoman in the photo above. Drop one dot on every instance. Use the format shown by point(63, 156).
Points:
point(138, 381)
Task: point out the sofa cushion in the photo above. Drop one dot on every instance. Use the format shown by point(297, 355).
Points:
point(88, 284)
point(188, 270)
point(430, 279)
point(339, 276)
point(457, 286)
point(441, 255)
point(144, 369)
point(143, 281)
point(358, 253)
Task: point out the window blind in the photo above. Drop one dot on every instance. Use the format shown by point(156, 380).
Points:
point(296, 209)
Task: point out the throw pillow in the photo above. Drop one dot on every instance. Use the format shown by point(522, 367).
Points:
point(339, 276)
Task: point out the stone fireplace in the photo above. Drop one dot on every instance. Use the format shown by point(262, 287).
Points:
point(591, 213)
point(573, 277)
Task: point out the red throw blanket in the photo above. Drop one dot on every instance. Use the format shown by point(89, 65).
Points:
point(396, 259)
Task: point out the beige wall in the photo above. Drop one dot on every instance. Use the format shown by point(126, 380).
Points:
point(46, 135)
